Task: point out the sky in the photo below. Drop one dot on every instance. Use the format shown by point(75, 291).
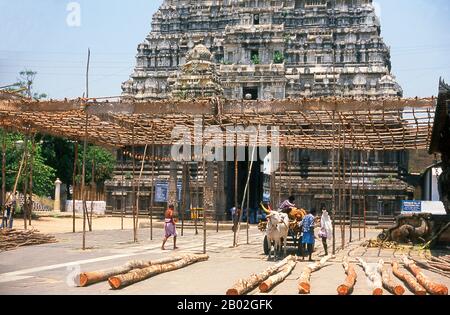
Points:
point(48, 37)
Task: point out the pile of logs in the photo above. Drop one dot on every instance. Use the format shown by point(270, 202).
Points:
point(432, 287)
point(440, 265)
point(408, 279)
point(265, 280)
point(136, 271)
point(12, 239)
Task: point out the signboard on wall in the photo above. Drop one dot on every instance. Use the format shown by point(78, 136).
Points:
point(411, 206)
point(266, 189)
point(414, 206)
point(162, 191)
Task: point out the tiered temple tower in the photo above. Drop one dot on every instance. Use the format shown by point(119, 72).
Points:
point(269, 49)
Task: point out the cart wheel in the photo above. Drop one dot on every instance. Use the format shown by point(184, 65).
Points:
point(382, 237)
point(266, 246)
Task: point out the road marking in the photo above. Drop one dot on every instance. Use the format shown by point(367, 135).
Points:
point(218, 242)
point(5, 277)
point(14, 278)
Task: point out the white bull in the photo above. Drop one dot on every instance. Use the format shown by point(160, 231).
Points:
point(277, 232)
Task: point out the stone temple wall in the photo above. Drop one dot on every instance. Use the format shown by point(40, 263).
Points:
point(269, 49)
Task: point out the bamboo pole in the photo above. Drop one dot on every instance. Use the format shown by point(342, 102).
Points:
point(33, 150)
point(152, 197)
point(205, 203)
point(184, 186)
point(333, 188)
point(4, 134)
point(339, 171)
point(25, 182)
point(83, 176)
point(83, 185)
point(139, 185)
point(74, 179)
point(197, 182)
point(344, 192)
point(364, 195)
point(236, 190)
point(133, 184)
point(123, 191)
point(16, 182)
point(245, 192)
point(359, 195)
point(91, 197)
point(351, 192)
point(248, 204)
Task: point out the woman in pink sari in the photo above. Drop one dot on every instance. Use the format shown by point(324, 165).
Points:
point(170, 228)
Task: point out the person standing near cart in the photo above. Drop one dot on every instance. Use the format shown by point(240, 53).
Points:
point(326, 229)
point(308, 240)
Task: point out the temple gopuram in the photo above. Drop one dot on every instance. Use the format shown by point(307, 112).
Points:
point(266, 50)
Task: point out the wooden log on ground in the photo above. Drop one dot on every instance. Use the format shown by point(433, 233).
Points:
point(347, 287)
point(442, 260)
point(443, 267)
point(304, 285)
point(136, 275)
point(374, 275)
point(268, 284)
point(427, 266)
point(389, 283)
point(87, 278)
point(244, 286)
point(410, 281)
point(433, 288)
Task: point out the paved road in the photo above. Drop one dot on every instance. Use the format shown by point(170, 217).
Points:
point(48, 269)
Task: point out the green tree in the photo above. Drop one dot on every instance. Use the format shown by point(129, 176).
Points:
point(53, 157)
point(43, 174)
point(26, 81)
point(103, 163)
